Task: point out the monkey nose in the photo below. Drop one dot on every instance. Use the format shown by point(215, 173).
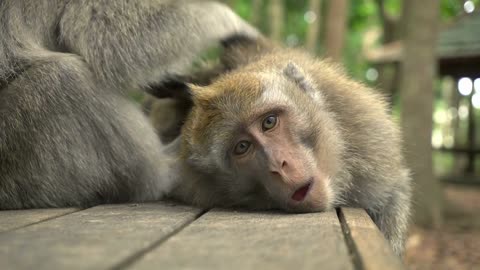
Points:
point(300, 194)
point(278, 169)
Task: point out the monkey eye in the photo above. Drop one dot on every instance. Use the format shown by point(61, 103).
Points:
point(269, 122)
point(241, 147)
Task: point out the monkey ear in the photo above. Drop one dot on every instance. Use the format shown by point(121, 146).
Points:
point(191, 88)
point(194, 90)
point(296, 74)
point(199, 94)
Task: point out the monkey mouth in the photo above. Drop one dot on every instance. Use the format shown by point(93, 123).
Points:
point(300, 194)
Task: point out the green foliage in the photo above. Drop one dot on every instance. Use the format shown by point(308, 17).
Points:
point(449, 9)
point(136, 96)
point(394, 7)
point(295, 24)
point(443, 163)
point(363, 16)
point(243, 9)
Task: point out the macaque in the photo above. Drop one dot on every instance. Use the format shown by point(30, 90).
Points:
point(69, 134)
point(285, 130)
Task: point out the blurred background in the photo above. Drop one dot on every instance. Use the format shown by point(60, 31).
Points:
point(425, 57)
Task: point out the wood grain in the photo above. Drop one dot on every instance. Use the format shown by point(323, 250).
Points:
point(13, 219)
point(223, 239)
point(372, 248)
point(97, 238)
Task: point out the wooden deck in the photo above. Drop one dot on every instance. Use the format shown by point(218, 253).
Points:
point(165, 235)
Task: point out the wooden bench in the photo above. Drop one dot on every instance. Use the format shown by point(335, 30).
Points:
point(165, 235)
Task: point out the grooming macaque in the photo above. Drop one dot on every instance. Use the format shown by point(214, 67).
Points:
point(69, 136)
point(285, 130)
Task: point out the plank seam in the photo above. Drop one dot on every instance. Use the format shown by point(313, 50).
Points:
point(43, 220)
point(142, 252)
point(351, 246)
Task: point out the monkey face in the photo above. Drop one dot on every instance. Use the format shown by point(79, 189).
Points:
point(270, 132)
point(270, 150)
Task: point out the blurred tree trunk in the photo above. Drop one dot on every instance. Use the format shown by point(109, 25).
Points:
point(418, 70)
point(460, 161)
point(388, 74)
point(335, 29)
point(449, 94)
point(256, 11)
point(390, 23)
point(470, 169)
point(231, 3)
point(276, 11)
point(315, 6)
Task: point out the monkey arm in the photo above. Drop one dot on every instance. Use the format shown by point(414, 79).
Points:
point(138, 43)
point(175, 86)
point(238, 50)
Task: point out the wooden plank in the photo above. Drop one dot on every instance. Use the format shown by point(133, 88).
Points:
point(13, 219)
point(97, 238)
point(370, 244)
point(245, 240)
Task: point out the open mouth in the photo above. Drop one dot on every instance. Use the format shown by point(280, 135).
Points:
point(300, 194)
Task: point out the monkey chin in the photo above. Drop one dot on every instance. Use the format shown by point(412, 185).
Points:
point(312, 197)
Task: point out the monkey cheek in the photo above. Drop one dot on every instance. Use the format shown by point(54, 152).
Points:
point(321, 196)
point(317, 199)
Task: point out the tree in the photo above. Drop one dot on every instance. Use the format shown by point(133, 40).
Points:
point(277, 16)
point(231, 3)
point(315, 6)
point(418, 70)
point(255, 12)
point(335, 29)
point(388, 74)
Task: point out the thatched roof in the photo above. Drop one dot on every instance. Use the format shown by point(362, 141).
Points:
point(458, 48)
point(461, 39)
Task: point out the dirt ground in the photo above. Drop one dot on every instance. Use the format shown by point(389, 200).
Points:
point(456, 245)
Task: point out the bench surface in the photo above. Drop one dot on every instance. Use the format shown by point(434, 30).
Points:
point(166, 235)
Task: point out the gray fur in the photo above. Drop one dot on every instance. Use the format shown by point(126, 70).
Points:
point(297, 75)
point(68, 134)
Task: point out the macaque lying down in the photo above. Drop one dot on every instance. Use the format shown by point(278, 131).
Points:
point(283, 129)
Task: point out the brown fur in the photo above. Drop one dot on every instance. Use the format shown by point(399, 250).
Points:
point(350, 144)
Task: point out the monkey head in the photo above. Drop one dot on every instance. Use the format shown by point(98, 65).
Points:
point(267, 137)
